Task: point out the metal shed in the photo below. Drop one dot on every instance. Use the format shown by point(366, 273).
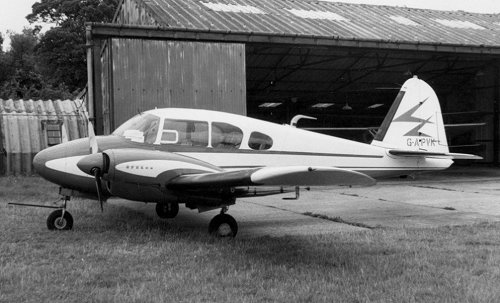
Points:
point(28, 126)
point(341, 63)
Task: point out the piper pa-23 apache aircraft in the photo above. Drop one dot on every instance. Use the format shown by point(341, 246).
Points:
point(206, 159)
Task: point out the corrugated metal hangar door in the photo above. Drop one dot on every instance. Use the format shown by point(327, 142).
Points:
point(140, 74)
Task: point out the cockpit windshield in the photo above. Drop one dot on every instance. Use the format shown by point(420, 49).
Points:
point(142, 128)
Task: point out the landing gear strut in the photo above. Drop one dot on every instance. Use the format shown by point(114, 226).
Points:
point(223, 225)
point(167, 210)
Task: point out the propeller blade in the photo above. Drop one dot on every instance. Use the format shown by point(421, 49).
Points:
point(93, 148)
point(97, 176)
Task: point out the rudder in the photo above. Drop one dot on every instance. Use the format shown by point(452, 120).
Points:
point(414, 121)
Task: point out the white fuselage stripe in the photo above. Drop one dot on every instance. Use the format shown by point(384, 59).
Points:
point(67, 165)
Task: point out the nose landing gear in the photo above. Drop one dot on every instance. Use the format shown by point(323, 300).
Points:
point(60, 219)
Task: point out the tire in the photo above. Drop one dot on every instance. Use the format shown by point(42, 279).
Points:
point(56, 221)
point(223, 226)
point(167, 210)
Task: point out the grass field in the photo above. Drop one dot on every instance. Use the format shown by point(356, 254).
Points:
point(125, 256)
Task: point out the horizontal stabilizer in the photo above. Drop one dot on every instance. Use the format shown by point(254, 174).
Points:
point(273, 176)
point(418, 153)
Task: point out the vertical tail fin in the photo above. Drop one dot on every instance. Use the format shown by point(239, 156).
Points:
point(414, 121)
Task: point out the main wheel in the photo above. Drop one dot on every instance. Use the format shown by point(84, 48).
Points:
point(167, 210)
point(57, 221)
point(223, 225)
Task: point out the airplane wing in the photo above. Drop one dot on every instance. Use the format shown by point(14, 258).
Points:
point(273, 176)
point(418, 153)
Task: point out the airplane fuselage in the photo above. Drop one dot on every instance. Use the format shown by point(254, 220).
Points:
point(272, 145)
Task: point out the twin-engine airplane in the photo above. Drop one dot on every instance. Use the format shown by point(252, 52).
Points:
point(206, 159)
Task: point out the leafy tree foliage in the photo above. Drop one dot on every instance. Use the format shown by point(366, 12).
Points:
point(5, 69)
point(51, 65)
point(19, 74)
point(73, 13)
point(62, 56)
point(21, 77)
point(61, 50)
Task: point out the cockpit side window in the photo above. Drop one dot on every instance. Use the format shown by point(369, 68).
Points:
point(185, 132)
point(260, 141)
point(225, 135)
point(142, 128)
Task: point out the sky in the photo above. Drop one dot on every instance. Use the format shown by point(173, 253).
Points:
point(13, 17)
point(13, 12)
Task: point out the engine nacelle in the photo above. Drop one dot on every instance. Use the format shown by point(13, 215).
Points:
point(142, 175)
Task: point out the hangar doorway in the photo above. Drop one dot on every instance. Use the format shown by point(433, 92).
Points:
point(349, 90)
point(344, 84)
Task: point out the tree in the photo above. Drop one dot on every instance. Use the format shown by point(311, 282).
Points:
point(21, 77)
point(5, 68)
point(18, 64)
point(61, 50)
point(73, 13)
point(62, 55)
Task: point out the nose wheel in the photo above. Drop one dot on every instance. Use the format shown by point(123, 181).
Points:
point(60, 220)
point(223, 225)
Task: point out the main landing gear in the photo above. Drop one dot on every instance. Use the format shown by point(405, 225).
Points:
point(167, 210)
point(223, 225)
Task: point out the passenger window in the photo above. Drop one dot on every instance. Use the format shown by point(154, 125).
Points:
point(260, 141)
point(184, 132)
point(226, 135)
point(169, 136)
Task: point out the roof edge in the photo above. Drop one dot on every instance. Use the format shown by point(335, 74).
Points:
point(106, 30)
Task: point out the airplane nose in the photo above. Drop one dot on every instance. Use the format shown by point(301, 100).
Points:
point(88, 163)
point(39, 160)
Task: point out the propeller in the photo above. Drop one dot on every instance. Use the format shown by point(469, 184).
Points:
point(97, 175)
point(93, 148)
point(95, 163)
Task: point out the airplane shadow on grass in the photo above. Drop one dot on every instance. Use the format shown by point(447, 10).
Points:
point(138, 226)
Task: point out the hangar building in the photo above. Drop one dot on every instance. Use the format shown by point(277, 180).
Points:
point(342, 63)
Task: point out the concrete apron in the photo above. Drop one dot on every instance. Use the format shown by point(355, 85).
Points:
point(448, 198)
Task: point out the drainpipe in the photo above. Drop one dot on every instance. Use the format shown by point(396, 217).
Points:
point(90, 74)
point(496, 113)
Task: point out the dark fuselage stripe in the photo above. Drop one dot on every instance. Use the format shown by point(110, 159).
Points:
point(354, 167)
point(258, 152)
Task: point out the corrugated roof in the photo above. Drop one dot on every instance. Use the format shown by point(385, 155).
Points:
point(56, 108)
point(329, 19)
